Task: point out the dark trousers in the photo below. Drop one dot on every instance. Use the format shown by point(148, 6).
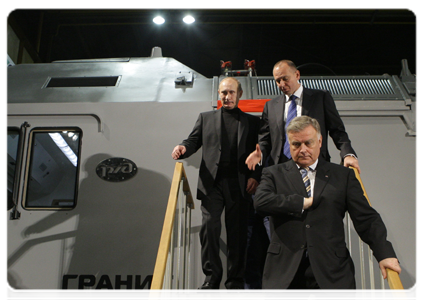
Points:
point(226, 195)
point(304, 284)
point(257, 244)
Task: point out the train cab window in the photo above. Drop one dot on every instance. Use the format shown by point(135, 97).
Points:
point(52, 176)
point(12, 153)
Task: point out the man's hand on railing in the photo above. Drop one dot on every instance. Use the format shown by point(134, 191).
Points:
point(351, 161)
point(389, 263)
point(178, 151)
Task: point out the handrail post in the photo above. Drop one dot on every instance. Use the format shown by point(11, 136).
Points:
point(393, 277)
point(363, 274)
point(184, 241)
point(170, 262)
point(382, 282)
point(371, 271)
point(179, 235)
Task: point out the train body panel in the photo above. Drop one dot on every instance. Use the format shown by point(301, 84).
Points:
point(95, 222)
point(112, 234)
point(115, 227)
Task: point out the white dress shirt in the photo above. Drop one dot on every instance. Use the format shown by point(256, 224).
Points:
point(311, 173)
point(299, 101)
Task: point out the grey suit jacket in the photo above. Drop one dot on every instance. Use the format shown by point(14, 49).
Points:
point(207, 134)
point(319, 229)
point(317, 104)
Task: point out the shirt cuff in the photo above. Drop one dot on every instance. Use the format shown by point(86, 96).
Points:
point(350, 154)
point(261, 161)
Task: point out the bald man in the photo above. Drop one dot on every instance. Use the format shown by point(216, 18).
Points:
point(227, 136)
point(302, 101)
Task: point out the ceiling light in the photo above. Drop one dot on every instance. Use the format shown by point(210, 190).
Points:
point(189, 19)
point(158, 20)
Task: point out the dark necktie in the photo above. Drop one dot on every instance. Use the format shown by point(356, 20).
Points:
point(292, 113)
point(306, 180)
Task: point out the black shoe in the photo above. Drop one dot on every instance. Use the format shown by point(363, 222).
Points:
point(208, 286)
point(236, 290)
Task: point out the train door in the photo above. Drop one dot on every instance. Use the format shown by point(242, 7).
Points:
point(44, 155)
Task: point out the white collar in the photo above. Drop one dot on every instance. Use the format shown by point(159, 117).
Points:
point(297, 93)
point(313, 166)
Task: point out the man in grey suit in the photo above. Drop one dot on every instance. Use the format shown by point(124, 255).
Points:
point(306, 199)
point(226, 136)
point(317, 104)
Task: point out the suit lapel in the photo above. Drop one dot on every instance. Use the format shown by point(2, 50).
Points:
point(322, 177)
point(307, 102)
point(294, 176)
point(218, 125)
point(243, 127)
point(279, 110)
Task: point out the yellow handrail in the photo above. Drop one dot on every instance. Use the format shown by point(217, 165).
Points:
point(162, 254)
point(394, 280)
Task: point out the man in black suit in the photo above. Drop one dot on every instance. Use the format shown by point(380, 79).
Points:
point(297, 100)
point(317, 104)
point(226, 136)
point(307, 248)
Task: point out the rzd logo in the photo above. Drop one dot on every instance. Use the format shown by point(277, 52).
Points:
point(116, 169)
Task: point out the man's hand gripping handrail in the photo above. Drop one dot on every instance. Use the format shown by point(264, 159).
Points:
point(394, 280)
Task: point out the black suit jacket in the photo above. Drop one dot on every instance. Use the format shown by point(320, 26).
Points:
point(320, 229)
point(317, 104)
point(207, 134)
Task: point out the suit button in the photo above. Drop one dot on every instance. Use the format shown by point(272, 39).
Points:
point(307, 226)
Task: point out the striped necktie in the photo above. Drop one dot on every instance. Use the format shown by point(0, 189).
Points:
point(292, 113)
point(306, 180)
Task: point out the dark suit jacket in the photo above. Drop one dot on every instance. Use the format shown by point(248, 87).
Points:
point(207, 134)
point(320, 229)
point(317, 104)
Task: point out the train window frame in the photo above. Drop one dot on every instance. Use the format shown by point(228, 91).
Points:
point(55, 204)
point(12, 180)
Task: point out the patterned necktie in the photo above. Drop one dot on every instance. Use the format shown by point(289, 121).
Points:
point(292, 113)
point(306, 180)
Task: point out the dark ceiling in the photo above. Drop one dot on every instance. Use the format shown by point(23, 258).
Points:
point(321, 42)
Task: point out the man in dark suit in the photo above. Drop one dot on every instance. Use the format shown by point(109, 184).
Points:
point(317, 104)
point(226, 136)
point(306, 199)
